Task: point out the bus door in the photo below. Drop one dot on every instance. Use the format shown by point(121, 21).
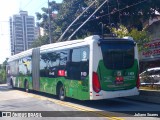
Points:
point(73, 73)
point(77, 73)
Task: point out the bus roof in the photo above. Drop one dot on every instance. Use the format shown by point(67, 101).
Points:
point(65, 44)
point(60, 44)
point(20, 55)
point(53, 46)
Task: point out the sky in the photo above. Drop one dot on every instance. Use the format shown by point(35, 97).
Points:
point(7, 9)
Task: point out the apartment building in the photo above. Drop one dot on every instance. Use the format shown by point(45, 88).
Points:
point(22, 32)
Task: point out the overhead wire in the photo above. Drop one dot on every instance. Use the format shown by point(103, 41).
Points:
point(76, 20)
point(40, 6)
point(87, 19)
point(97, 16)
point(27, 4)
point(112, 12)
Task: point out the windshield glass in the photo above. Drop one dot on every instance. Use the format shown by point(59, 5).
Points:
point(152, 72)
point(118, 55)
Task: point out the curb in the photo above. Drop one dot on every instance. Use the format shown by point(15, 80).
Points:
point(147, 96)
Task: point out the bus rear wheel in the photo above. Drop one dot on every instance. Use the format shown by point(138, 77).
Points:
point(61, 93)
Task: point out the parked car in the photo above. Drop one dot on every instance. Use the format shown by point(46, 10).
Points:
point(150, 76)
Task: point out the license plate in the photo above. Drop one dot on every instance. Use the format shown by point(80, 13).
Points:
point(119, 82)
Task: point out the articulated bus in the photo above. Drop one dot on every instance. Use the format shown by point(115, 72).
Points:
point(93, 68)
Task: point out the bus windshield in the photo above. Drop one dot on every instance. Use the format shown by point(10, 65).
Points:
point(118, 55)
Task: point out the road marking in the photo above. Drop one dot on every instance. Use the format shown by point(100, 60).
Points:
point(77, 107)
point(89, 110)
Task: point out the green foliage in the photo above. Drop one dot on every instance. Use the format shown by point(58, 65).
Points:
point(131, 13)
point(3, 72)
point(2, 76)
point(121, 31)
point(140, 37)
point(42, 40)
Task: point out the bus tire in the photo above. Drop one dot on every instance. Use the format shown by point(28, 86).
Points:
point(26, 86)
point(61, 92)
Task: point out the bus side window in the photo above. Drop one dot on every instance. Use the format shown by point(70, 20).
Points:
point(63, 58)
point(53, 64)
point(73, 66)
point(78, 64)
point(43, 65)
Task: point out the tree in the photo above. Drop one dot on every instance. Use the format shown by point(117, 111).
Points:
point(42, 40)
point(3, 72)
point(44, 18)
point(130, 13)
point(122, 31)
point(140, 37)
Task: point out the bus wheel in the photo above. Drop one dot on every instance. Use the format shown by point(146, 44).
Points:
point(26, 86)
point(61, 93)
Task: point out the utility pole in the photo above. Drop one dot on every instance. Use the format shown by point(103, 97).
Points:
point(50, 36)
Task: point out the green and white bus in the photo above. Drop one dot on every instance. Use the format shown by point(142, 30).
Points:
point(88, 69)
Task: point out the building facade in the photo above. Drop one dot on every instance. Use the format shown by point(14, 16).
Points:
point(22, 32)
point(150, 57)
point(39, 31)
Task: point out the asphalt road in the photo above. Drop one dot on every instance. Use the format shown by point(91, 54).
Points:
point(20, 105)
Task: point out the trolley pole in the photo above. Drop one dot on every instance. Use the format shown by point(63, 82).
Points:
point(86, 20)
point(60, 39)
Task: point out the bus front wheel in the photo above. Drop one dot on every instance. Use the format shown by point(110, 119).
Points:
point(61, 93)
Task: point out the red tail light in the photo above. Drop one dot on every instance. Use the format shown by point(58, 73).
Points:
point(61, 72)
point(96, 83)
point(138, 82)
